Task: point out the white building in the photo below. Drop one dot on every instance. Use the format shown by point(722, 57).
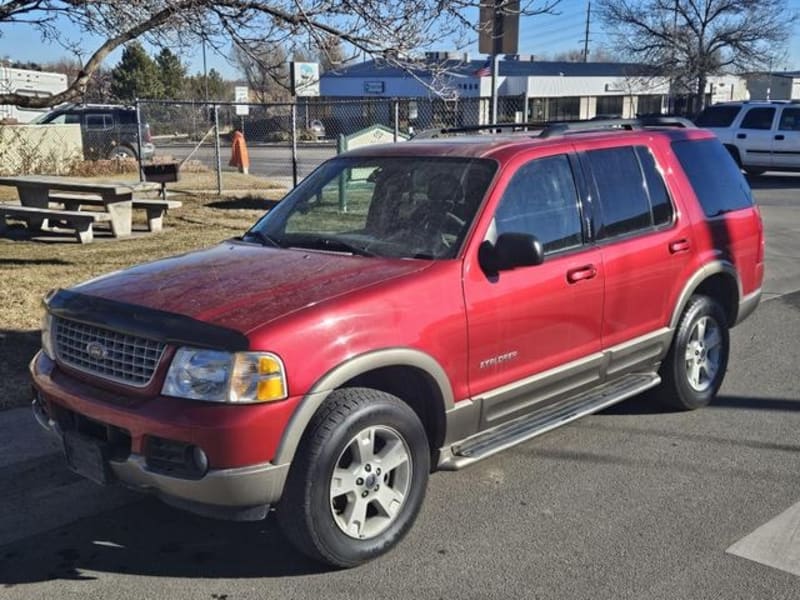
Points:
point(528, 90)
point(36, 84)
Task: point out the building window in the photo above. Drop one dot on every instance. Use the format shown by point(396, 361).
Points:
point(609, 106)
point(649, 104)
point(555, 109)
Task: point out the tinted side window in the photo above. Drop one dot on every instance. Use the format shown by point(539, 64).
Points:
point(717, 116)
point(656, 189)
point(99, 122)
point(126, 117)
point(758, 118)
point(790, 119)
point(717, 181)
point(541, 199)
point(622, 191)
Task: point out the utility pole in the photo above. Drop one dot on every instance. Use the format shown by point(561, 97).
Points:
point(586, 37)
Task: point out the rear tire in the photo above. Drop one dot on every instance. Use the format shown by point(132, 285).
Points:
point(695, 365)
point(358, 478)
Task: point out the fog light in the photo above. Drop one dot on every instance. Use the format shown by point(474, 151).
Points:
point(200, 460)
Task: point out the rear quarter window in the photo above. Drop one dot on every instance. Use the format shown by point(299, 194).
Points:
point(717, 181)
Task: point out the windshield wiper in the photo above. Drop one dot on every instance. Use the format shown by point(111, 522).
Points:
point(331, 244)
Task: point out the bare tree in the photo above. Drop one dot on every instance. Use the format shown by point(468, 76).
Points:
point(692, 39)
point(392, 29)
point(265, 68)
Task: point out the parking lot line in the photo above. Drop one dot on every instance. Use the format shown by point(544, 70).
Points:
point(775, 544)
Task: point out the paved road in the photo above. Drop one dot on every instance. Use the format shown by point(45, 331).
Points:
point(630, 503)
point(265, 160)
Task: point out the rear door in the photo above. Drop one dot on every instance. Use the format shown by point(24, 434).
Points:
point(754, 136)
point(98, 134)
point(644, 249)
point(786, 142)
point(525, 322)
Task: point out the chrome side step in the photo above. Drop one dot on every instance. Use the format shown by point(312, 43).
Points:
point(514, 432)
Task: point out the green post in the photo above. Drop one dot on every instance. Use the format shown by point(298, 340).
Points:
point(341, 147)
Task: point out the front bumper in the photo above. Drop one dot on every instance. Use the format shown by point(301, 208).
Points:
point(242, 492)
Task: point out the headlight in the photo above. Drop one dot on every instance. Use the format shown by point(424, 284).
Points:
point(215, 376)
point(47, 335)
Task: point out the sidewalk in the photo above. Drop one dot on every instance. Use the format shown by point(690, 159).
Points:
point(37, 491)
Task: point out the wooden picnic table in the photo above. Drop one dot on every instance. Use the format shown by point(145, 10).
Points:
point(117, 198)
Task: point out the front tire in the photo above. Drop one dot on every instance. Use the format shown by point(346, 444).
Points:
point(694, 368)
point(358, 478)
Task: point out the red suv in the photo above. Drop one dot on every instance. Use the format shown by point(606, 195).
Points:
point(406, 308)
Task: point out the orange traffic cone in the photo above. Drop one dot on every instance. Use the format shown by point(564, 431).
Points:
point(239, 155)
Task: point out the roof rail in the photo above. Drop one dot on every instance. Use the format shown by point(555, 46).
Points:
point(551, 128)
point(496, 128)
point(563, 127)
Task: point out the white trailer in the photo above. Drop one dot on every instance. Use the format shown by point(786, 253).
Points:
point(37, 84)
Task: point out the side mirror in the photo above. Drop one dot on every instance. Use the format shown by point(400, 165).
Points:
point(510, 251)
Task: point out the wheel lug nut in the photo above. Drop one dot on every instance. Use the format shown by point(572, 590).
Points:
point(377, 471)
point(377, 487)
point(364, 494)
point(359, 481)
point(368, 468)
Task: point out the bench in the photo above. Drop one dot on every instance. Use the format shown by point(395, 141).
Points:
point(80, 221)
point(156, 209)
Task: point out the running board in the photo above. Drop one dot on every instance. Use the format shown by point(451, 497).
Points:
point(509, 434)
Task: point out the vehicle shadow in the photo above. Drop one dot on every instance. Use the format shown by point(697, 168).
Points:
point(648, 404)
point(150, 538)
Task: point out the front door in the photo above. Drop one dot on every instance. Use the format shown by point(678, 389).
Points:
point(525, 322)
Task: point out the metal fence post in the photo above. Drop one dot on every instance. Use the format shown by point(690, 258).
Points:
point(139, 139)
point(396, 120)
point(294, 143)
point(217, 154)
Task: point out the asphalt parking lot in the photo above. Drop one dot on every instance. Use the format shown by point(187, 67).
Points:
point(634, 502)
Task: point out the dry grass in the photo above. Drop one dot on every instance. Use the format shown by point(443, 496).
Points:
point(28, 269)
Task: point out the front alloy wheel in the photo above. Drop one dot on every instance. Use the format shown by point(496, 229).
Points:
point(358, 478)
point(370, 482)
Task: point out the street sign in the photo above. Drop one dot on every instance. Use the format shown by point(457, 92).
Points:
point(499, 30)
point(241, 94)
point(305, 79)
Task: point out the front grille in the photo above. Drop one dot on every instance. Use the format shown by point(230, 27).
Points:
point(107, 354)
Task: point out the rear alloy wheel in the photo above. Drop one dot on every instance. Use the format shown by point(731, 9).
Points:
point(358, 478)
point(695, 366)
point(122, 153)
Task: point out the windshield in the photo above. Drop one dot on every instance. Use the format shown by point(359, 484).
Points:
point(403, 207)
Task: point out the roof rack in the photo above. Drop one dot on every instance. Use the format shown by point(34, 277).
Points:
point(551, 128)
point(559, 128)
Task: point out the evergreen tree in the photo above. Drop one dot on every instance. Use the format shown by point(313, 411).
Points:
point(136, 76)
point(172, 74)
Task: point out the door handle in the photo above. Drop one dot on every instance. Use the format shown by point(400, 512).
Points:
point(679, 246)
point(581, 273)
point(779, 137)
point(741, 136)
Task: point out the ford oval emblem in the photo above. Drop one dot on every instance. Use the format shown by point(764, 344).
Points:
point(96, 350)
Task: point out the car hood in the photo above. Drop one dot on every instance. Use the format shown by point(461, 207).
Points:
point(242, 286)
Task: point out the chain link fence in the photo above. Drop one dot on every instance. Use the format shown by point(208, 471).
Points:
point(285, 141)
